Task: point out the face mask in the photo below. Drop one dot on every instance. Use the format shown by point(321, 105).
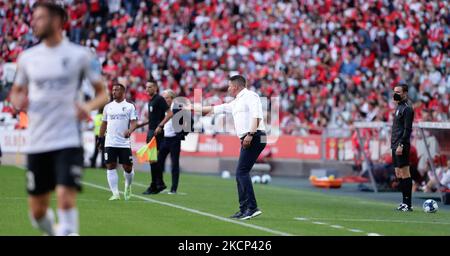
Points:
point(397, 97)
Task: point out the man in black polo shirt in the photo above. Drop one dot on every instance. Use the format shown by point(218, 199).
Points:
point(157, 118)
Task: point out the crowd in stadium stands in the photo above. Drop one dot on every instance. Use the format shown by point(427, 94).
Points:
point(330, 62)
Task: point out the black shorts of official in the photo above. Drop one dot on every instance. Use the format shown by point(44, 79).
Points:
point(402, 160)
point(124, 154)
point(60, 167)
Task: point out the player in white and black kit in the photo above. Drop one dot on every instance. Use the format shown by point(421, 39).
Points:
point(47, 83)
point(119, 119)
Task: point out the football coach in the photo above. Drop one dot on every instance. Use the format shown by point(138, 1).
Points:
point(247, 112)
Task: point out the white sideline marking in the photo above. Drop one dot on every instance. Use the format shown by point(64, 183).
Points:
point(380, 220)
point(334, 226)
point(268, 230)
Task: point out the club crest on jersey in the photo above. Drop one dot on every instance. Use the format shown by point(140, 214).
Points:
point(123, 109)
point(396, 113)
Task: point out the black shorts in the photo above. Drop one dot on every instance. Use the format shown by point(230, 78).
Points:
point(402, 160)
point(59, 167)
point(124, 155)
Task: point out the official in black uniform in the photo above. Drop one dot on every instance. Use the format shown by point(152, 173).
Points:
point(159, 114)
point(400, 143)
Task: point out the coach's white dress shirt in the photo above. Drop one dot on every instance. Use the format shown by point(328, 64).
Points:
point(246, 106)
point(169, 131)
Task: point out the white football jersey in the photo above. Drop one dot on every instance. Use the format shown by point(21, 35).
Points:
point(53, 76)
point(118, 116)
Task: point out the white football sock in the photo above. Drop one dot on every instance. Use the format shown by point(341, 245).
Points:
point(113, 181)
point(68, 222)
point(128, 177)
point(45, 223)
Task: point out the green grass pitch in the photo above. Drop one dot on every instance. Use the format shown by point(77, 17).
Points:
point(203, 207)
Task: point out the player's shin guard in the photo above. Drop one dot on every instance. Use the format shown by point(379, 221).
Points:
point(45, 224)
point(68, 222)
point(129, 177)
point(113, 181)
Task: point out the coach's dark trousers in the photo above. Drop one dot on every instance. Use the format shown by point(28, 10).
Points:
point(247, 159)
point(156, 172)
point(171, 145)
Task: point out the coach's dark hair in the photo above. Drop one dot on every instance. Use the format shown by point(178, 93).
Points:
point(54, 8)
point(404, 87)
point(119, 84)
point(238, 79)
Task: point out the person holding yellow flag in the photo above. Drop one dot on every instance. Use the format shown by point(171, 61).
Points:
point(97, 124)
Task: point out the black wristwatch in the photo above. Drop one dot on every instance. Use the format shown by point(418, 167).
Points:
point(161, 126)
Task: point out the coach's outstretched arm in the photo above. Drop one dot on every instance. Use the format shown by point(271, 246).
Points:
point(219, 109)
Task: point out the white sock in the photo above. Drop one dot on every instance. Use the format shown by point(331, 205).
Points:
point(68, 222)
point(113, 181)
point(128, 177)
point(45, 223)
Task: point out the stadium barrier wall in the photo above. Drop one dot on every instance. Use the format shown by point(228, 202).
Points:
point(291, 155)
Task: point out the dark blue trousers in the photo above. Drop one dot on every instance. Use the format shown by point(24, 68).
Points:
point(171, 145)
point(247, 159)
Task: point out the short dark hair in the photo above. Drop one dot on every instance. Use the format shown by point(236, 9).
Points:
point(240, 80)
point(404, 86)
point(54, 8)
point(119, 84)
point(152, 81)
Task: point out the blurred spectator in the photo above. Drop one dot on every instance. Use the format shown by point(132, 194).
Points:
point(291, 124)
point(436, 178)
point(445, 180)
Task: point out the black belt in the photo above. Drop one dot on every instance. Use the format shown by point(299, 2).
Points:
point(257, 133)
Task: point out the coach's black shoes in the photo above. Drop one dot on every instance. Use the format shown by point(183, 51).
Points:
point(237, 215)
point(404, 208)
point(248, 214)
point(150, 190)
point(159, 189)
